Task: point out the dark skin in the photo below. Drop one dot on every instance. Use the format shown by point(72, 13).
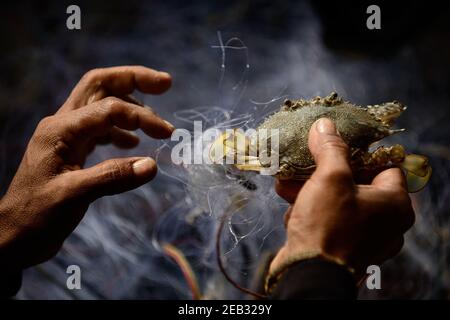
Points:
point(359, 223)
point(52, 189)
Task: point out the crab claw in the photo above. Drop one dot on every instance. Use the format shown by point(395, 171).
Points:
point(221, 147)
point(232, 146)
point(418, 172)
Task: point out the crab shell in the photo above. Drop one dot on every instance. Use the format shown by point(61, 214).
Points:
point(358, 126)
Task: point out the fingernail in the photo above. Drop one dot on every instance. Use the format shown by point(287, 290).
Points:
point(169, 125)
point(326, 126)
point(164, 74)
point(143, 167)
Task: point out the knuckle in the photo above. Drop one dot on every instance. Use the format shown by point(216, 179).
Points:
point(114, 106)
point(114, 171)
point(92, 75)
point(46, 130)
point(338, 175)
point(112, 102)
point(117, 171)
point(81, 123)
point(124, 112)
point(61, 189)
point(115, 175)
point(335, 143)
point(404, 206)
point(45, 123)
point(133, 115)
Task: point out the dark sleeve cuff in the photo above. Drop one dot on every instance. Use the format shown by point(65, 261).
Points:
point(315, 279)
point(10, 283)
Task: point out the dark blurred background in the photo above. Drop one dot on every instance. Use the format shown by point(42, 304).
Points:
point(280, 49)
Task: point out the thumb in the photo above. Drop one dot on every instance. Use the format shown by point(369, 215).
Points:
point(111, 177)
point(330, 153)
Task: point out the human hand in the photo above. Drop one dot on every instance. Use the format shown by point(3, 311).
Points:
point(51, 190)
point(358, 224)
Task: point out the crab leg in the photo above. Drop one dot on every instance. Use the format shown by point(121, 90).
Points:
point(387, 112)
point(232, 144)
point(383, 157)
point(249, 167)
point(418, 170)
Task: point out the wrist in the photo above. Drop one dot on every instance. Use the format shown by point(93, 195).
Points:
point(288, 256)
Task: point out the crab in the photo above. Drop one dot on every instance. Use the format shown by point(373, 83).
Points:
point(360, 127)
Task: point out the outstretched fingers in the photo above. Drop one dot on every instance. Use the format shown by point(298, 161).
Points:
point(116, 81)
point(99, 119)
